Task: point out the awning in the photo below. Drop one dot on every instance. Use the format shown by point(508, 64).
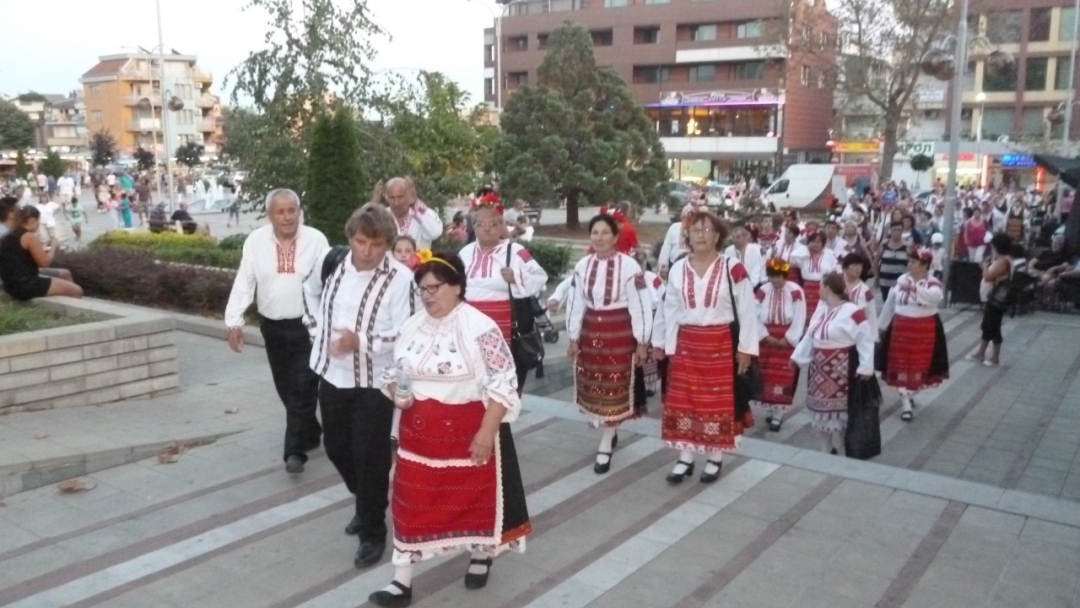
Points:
point(1067, 168)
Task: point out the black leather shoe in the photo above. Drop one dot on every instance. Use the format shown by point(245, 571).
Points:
point(676, 478)
point(710, 477)
point(599, 468)
point(294, 465)
point(478, 581)
point(385, 598)
point(833, 452)
point(369, 554)
point(354, 526)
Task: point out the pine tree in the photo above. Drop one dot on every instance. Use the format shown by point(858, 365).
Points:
point(336, 183)
point(53, 165)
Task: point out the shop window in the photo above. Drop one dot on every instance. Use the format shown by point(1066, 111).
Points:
point(1005, 82)
point(1039, 25)
point(750, 29)
point(1003, 27)
point(1035, 77)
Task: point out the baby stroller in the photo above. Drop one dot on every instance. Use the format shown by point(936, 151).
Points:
point(546, 327)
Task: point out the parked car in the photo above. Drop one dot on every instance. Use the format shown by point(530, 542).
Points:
point(721, 195)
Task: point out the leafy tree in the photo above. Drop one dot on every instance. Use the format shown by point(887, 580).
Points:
point(52, 166)
point(578, 133)
point(20, 164)
point(144, 158)
point(32, 97)
point(881, 43)
point(334, 175)
point(920, 163)
point(316, 55)
point(189, 154)
point(102, 148)
point(445, 141)
point(16, 128)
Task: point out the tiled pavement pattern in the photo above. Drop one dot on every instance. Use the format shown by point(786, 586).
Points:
point(785, 526)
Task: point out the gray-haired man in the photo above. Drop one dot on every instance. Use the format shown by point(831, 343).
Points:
point(275, 261)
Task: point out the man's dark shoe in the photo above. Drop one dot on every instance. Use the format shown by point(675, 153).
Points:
point(294, 465)
point(354, 526)
point(369, 554)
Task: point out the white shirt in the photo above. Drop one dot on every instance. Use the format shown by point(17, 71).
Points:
point(483, 272)
point(48, 213)
point(706, 300)
point(65, 186)
point(751, 260)
point(110, 179)
point(786, 306)
point(674, 246)
point(610, 284)
point(458, 359)
point(841, 327)
point(510, 216)
point(814, 268)
point(374, 304)
point(862, 296)
point(272, 275)
point(42, 181)
point(422, 224)
point(562, 291)
point(792, 253)
point(911, 298)
point(526, 236)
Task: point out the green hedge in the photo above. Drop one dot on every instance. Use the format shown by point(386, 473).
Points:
point(173, 247)
point(149, 240)
point(553, 258)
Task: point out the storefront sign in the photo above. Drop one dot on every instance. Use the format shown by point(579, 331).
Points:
point(857, 147)
point(719, 98)
point(1017, 160)
point(964, 156)
point(915, 148)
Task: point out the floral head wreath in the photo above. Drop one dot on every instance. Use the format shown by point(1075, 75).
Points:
point(489, 200)
point(777, 266)
point(424, 256)
point(617, 215)
point(923, 254)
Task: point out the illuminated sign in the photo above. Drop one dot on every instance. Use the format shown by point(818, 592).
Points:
point(850, 147)
point(1017, 160)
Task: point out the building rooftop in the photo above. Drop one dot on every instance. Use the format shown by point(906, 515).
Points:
point(106, 67)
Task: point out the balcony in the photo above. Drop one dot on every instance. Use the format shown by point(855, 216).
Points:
point(200, 76)
point(206, 125)
point(144, 125)
point(206, 101)
point(139, 74)
point(133, 100)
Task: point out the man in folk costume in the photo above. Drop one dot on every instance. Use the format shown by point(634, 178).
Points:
point(354, 320)
point(274, 262)
point(413, 217)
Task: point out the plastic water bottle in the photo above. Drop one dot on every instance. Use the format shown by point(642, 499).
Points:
point(404, 383)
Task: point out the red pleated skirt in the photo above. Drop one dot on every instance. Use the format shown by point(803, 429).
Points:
point(911, 351)
point(498, 311)
point(812, 289)
point(604, 369)
point(779, 379)
point(699, 408)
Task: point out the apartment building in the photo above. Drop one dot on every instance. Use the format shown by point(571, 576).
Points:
point(719, 79)
point(65, 125)
point(128, 95)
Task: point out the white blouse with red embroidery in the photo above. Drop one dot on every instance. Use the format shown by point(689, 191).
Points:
point(609, 284)
point(862, 296)
point(843, 326)
point(785, 306)
point(815, 267)
point(911, 298)
point(483, 271)
point(792, 253)
point(706, 300)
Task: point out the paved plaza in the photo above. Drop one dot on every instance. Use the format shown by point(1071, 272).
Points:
point(974, 503)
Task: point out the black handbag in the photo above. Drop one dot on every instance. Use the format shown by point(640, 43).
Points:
point(526, 340)
point(748, 385)
point(862, 437)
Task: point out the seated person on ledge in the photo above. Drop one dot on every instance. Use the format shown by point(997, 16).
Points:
point(158, 215)
point(181, 215)
point(24, 260)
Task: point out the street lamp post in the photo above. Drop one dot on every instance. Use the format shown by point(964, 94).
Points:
point(942, 65)
point(1069, 104)
point(164, 116)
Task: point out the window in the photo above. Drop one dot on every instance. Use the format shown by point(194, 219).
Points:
point(1061, 77)
point(657, 1)
point(516, 79)
point(821, 80)
point(1035, 78)
point(647, 34)
point(996, 122)
point(702, 73)
point(1067, 24)
point(651, 74)
point(750, 29)
point(1039, 25)
point(96, 116)
point(750, 70)
point(804, 75)
point(1003, 27)
point(703, 32)
point(542, 41)
point(602, 37)
point(95, 90)
point(517, 43)
point(489, 87)
point(489, 53)
point(823, 41)
point(614, 3)
point(1005, 82)
point(1034, 122)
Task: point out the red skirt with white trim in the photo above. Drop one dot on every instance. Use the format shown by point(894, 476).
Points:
point(778, 377)
point(913, 343)
point(604, 370)
point(498, 311)
point(699, 408)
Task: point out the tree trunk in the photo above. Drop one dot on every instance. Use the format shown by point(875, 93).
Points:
point(888, 145)
point(572, 221)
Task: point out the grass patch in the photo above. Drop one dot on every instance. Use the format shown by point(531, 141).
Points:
point(19, 317)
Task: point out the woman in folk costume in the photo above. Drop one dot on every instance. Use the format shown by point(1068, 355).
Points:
point(498, 269)
point(854, 267)
point(609, 322)
point(782, 318)
point(819, 261)
point(915, 353)
point(791, 251)
point(838, 347)
point(1016, 219)
point(457, 484)
point(709, 331)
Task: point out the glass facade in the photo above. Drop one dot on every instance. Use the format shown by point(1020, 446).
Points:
point(705, 121)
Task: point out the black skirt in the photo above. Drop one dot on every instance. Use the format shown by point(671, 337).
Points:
point(515, 511)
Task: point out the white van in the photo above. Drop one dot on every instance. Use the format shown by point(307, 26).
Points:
point(808, 186)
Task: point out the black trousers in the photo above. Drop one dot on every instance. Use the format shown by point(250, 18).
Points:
point(357, 425)
point(288, 347)
point(991, 323)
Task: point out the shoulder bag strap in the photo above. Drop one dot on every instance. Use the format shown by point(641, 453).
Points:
point(509, 290)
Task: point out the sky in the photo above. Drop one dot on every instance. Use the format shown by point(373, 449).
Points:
point(68, 36)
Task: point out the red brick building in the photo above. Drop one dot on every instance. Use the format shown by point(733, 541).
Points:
point(719, 78)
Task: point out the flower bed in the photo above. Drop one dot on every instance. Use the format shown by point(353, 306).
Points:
point(173, 247)
point(18, 317)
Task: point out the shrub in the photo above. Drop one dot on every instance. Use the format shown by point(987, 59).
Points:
point(149, 240)
point(554, 259)
point(233, 242)
point(447, 243)
point(122, 274)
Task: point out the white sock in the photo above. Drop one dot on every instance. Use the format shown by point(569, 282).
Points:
point(826, 442)
point(607, 436)
point(478, 568)
point(403, 575)
point(686, 458)
point(710, 468)
point(905, 401)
